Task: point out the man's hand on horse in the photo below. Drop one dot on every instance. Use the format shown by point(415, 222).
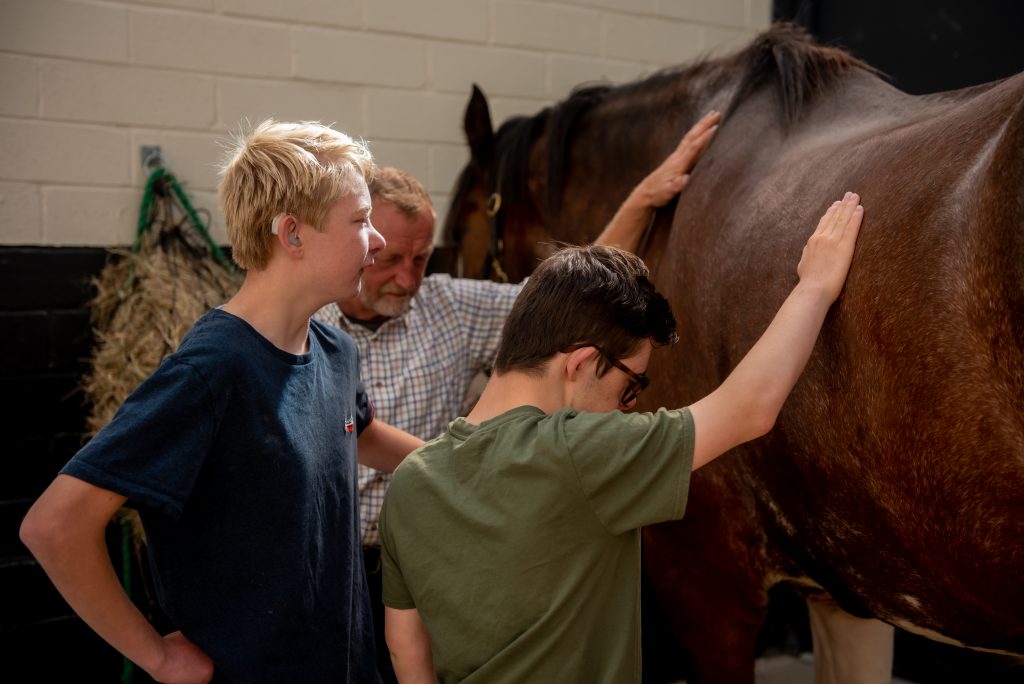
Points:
point(668, 180)
point(626, 228)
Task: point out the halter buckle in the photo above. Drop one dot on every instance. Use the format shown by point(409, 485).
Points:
point(493, 204)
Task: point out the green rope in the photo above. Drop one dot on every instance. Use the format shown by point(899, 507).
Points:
point(198, 223)
point(162, 174)
point(147, 205)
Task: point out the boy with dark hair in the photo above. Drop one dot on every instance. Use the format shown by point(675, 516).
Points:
point(541, 491)
point(240, 450)
point(594, 294)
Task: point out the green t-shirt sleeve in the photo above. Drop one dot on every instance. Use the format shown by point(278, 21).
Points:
point(634, 468)
point(395, 593)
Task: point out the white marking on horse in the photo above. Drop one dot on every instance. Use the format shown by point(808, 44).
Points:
point(936, 636)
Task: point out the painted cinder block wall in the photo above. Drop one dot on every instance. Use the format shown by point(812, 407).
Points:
point(83, 84)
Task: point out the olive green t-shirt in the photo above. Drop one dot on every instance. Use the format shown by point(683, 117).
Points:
point(518, 540)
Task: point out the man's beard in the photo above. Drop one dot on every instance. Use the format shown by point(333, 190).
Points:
point(387, 306)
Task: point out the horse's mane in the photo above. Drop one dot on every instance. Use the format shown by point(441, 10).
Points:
point(784, 55)
point(800, 68)
point(560, 130)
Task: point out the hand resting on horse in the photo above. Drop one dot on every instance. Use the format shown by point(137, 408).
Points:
point(659, 187)
point(746, 405)
point(668, 180)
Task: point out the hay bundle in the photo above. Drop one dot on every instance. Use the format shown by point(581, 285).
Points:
point(149, 297)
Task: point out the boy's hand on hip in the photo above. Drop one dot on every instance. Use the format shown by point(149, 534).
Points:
point(183, 663)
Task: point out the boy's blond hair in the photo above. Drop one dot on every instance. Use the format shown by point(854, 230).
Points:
point(300, 169)
point(397, 187)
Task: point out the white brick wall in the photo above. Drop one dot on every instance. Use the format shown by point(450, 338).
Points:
point(64, 29)
point(22, 213)
point(545, 26)
point(84, 83)
point(107, 94)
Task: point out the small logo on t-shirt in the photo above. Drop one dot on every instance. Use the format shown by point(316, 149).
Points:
point(350, 425)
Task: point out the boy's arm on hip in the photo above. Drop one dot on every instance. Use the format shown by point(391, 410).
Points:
point(65, 530)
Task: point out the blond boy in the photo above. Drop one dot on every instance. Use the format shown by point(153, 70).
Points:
point(240, 451)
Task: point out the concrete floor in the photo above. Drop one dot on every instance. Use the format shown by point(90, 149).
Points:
point(790, 670)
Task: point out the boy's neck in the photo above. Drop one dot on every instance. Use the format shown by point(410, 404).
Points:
point(273, 311)
point(508, 391)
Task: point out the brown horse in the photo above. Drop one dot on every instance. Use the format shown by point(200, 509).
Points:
point(892, 487)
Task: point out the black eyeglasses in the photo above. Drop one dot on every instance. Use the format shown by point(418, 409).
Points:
point(638, 382)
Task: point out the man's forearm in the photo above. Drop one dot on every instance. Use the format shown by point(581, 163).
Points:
point(770, 370)
point(627, 226)
point(746, 405)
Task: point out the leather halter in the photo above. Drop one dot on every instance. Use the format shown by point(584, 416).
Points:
point(492, 262)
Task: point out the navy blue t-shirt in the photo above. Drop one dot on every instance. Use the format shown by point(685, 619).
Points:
point(241, 459)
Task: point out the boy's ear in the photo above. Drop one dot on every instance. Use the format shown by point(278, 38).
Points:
point(288, 234)
point(576, 361)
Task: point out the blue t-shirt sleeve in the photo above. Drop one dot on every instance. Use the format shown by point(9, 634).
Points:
point(364, 409)
point(153, 449)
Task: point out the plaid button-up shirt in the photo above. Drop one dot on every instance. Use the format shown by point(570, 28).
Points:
point(417, 367)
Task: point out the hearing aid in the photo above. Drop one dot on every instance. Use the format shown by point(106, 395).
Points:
point(293, 239)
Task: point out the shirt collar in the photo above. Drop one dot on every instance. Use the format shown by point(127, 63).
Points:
point(351, 327)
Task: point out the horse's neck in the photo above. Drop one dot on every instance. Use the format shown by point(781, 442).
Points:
point(623, 138)
point(616, 145)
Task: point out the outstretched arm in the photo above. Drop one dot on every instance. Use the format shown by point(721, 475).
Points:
point(409, 644)
point(64, 530)
point(658, 188)
point(746, 405)
point(383, 446)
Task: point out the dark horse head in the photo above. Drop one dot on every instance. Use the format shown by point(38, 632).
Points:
point(892, 481)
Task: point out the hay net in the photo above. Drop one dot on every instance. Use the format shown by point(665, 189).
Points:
point(148, 297)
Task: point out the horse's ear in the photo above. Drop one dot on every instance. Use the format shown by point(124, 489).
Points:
point(477, 124)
